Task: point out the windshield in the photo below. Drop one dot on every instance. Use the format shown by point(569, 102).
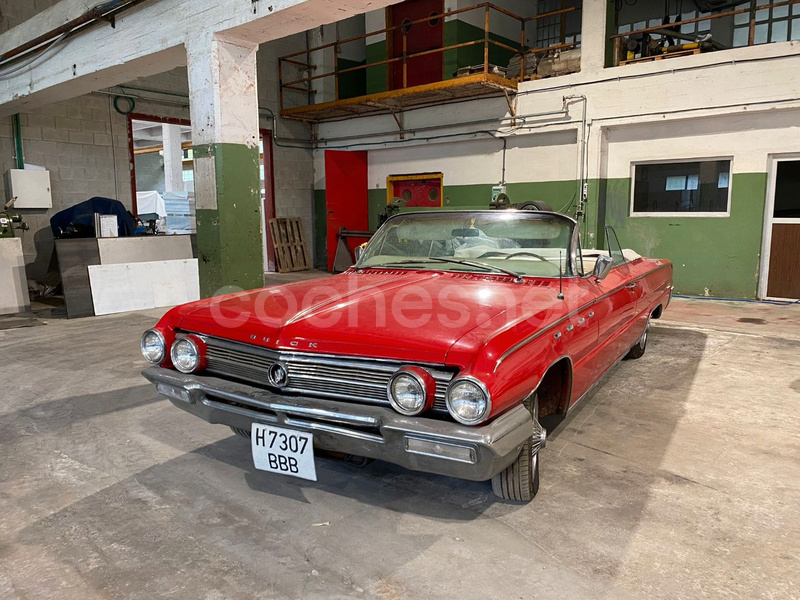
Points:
point(515, 242)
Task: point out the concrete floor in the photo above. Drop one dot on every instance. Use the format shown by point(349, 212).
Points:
point(678, 478)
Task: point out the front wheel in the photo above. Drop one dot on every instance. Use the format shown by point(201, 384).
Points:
point(520, 480)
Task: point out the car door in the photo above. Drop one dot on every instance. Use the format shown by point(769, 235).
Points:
point(615, 307)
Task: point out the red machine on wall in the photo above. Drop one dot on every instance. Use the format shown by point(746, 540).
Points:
point(421, 190)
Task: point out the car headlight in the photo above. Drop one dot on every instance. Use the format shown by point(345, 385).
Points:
point(408, 390)
point(154, 347)
point(468, 401)
point(185, 355)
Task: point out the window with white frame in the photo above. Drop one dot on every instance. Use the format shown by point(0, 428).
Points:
point(691, 187)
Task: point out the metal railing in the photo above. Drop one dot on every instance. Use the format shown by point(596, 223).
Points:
point(666, 29)
point(304, 84)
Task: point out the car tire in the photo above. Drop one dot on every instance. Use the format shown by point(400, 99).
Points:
point(534, 205)
point(638, 350)
point(245, 433)
point(519, 481)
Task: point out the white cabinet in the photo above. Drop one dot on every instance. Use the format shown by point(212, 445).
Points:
point(30, 187)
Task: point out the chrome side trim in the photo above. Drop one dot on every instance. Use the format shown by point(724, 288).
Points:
point(532, 337)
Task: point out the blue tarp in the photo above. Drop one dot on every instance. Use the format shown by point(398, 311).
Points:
point(78, 220)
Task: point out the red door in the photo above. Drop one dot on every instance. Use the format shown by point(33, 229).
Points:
point(345, 196)
point(419, 37)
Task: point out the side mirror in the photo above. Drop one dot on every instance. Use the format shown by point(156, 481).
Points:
point(602, 267)
point(358, 252)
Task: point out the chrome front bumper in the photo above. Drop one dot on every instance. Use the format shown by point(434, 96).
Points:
point(418, 443)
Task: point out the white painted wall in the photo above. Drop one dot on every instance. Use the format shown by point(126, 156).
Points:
point(544, 157)
point(742, 103)
point(373, 21)
point(349, 28)
point(748, 138)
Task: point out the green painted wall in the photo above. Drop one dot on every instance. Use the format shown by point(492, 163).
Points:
point(376, 76)
point(229, 238)
point(557, 193)
point(718, 253)
point(458, 32)
point(354, 83)
point(320, 230)
point(376, 204)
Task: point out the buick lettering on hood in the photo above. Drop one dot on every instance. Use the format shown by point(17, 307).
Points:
point(450, 347)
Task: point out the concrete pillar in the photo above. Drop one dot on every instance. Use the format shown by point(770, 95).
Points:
point(173, 157)
point(224, 114)
point(597, 17)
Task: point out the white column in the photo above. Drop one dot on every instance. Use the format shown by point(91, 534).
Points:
point(173, 157)
point(223, 103)
point(223, 98)
point(593, 35)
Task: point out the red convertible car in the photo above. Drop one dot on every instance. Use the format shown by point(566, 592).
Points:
point(442, 350)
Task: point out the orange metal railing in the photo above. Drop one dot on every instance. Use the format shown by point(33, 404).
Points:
point(303, 84)
point(663, 30)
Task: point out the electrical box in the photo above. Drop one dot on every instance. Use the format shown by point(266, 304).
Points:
point(31, 188)
point(497, 190)
point(418, 190)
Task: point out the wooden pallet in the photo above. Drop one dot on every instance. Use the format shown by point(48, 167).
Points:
point(661, 56)
point(289, 240)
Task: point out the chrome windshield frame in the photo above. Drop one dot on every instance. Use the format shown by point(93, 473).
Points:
point(572, 251)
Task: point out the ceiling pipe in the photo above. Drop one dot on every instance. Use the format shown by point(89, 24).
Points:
point(106, 11)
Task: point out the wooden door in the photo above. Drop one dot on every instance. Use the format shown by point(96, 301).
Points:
point(418, 38)
point(784, 254)
point(345, 196)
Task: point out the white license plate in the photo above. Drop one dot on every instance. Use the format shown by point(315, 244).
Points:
point(283, 451)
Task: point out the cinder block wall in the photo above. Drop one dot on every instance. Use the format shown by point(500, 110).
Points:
point(77, 141)
point(293, 167)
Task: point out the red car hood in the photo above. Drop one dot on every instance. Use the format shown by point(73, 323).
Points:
point(397, 315)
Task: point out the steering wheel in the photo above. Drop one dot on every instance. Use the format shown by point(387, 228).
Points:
point(507, 256)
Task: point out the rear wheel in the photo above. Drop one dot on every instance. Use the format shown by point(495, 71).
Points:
point(638, 350)
point(520, 480)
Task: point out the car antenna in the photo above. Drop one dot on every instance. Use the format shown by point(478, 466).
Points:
point(560, 278)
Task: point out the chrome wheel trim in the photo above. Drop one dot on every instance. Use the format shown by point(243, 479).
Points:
point(539, 436)
point(643, 339)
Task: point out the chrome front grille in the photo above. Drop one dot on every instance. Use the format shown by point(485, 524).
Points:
point(350, 379)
